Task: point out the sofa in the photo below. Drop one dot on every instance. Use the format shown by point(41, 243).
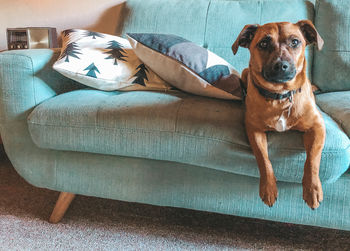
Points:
point(173, 148)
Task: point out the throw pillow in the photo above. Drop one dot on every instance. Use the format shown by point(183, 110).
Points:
point(104, 62)
point(186, 65)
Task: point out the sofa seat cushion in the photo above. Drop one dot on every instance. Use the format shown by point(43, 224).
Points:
point(177, 127)
point(337, 105)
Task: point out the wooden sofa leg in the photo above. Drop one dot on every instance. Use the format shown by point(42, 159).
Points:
point(61, 206)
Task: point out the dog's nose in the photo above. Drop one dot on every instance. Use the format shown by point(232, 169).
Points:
point(281, 66)
point(279, 71)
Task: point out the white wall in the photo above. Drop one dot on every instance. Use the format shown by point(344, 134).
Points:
point(97, 15)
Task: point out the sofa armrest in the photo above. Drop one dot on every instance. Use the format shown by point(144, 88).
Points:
point(27, 79)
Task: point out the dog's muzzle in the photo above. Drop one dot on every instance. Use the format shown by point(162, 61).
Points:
point(280, 71)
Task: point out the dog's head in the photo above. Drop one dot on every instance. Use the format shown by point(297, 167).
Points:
point(277, 49)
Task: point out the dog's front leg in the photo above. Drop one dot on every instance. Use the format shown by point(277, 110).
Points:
point(268, 187)
point(312, 189)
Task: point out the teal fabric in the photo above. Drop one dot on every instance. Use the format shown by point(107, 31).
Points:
point(27, 79)
point(337, 105)
point(185, 18)
point(177, 185)
point(332, 64)
point(176, 127)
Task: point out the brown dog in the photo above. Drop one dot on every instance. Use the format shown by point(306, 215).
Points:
point(280, 98)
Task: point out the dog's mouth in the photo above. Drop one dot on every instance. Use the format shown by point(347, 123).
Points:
point(278, 78)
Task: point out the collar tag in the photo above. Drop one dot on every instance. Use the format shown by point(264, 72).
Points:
point(291, 97)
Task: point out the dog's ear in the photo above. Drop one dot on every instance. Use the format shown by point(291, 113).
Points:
point(310, 33)
point(245, 37)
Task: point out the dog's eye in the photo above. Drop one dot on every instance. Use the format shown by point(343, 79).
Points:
point(295, 43)
point(263, 44)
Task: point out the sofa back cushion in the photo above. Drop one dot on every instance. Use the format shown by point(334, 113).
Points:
point(213, 24)
point(332, 63)
point(185, 18)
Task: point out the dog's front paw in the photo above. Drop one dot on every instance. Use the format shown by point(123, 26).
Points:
point(268, 191)
point(312, 191)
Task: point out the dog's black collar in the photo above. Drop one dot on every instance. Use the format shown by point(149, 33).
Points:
point(277, 96)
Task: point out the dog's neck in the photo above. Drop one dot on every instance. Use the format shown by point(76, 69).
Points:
point(274, 95)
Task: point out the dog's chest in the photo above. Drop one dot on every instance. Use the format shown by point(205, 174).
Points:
point(281, 124)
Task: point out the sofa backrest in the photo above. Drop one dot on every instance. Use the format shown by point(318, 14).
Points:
point(213, 24)
point(332, 64)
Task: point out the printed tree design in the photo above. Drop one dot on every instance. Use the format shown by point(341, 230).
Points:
point(67, 32)
point(71, 50)
point(92, 34)
point(116, 51)
point(141, 75)
point(91, 70)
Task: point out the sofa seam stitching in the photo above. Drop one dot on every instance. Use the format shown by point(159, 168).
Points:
point(33, 85)
point(177, 116)
point(313, 47)
point(138, 129)
point(260, 10)
point(206, 25)
point(333, 50)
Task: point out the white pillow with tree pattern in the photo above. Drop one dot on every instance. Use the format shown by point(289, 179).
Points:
point(104, 62)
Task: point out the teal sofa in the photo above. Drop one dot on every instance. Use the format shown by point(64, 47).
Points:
point(172, 148)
